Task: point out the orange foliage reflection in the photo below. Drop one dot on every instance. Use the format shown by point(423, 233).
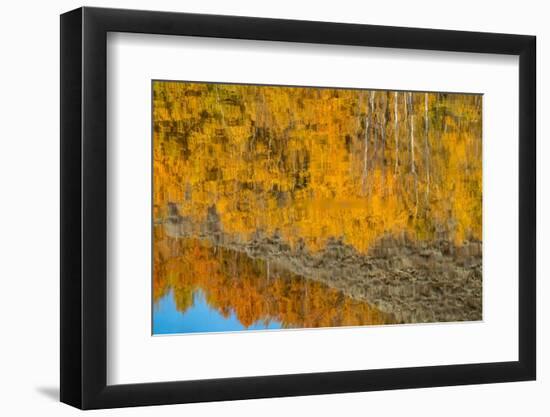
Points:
point(317, 163)
point(234, 283)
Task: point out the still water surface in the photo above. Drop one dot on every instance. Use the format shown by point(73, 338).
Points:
point(199, 318)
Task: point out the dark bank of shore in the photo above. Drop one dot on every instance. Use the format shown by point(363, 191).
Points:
point(416, 282)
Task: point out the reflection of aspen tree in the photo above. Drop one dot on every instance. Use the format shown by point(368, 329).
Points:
point(224, 126)
point(396, 131)
point(411, 135)
point(372, 116)
point(479, 105)
point(383, 131)
point(426, 147)
point(220, 106)
point(275, 158)
point(366, 147)
point(357, 133)
point(413, 168)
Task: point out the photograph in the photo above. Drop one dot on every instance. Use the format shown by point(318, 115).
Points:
point(274, 209)
point(300, 207)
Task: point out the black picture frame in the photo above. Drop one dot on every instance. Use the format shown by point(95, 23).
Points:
point(84, 207)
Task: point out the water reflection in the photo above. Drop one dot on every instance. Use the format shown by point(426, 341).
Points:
point(315, 164)
point(200, 317)
point(199, 288)
point(315, 207)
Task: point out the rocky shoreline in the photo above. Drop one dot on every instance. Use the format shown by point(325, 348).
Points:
point(416, 282)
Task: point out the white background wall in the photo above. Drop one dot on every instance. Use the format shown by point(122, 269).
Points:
point(29, 226)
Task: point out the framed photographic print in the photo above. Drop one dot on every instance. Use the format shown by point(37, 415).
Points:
point(256, 207)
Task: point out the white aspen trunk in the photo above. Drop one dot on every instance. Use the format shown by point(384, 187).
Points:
point(426, 147)
point(413, 168)
point(406, 117)
point(371, 122)
point(356, 135)
point(383, 125)
point(479, 115)
point(396, 132)
point(383, 129)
